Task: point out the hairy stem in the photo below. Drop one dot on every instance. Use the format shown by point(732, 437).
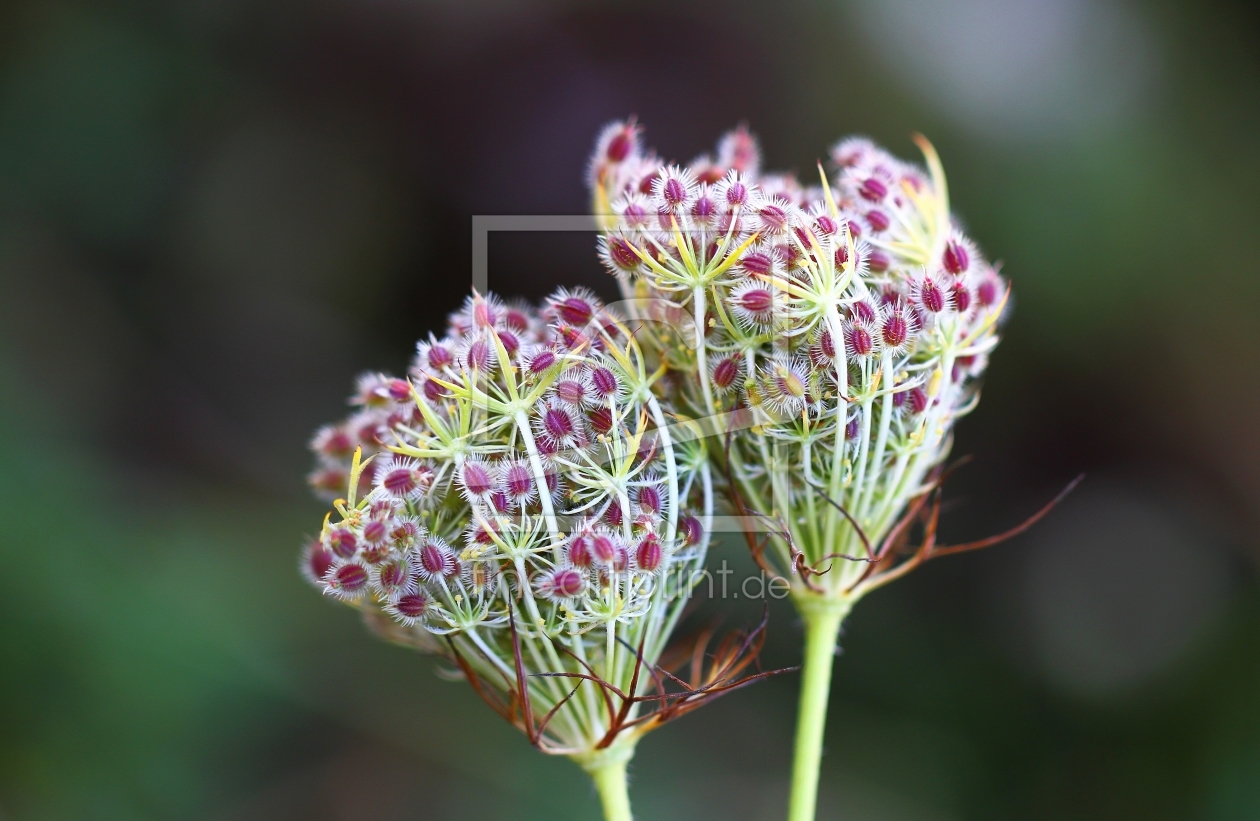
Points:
point(822, 617)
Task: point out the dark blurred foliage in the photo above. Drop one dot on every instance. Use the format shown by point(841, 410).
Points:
point(214, 213)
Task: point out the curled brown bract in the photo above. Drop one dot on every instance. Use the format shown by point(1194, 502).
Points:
point(670, 695)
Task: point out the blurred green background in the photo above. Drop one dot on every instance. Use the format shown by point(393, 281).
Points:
point(214, 213)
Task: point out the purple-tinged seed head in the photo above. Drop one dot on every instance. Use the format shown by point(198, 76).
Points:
point(862, 311)
point(571, 391)
point(482, 534)
point(433, 391)
point(673, 192)
point(483, 313)
point(541, 361)
point(725, 372)
point(573, 339)
point(648, 555)
point(405, 532)
point(622, 254)
point(917, 400)
point(773, 217)
point(343, 543)
point(478, 356)
point(576, 310)
point(369, 433)
point(603, 548)
point(558, 423)
point(328, 480)
point(878, 219)
point(860, 342)
point(621, 560)
point(319, 560)
point(435, 561)
point(604, 381)
point(691, 530)
point(931, 297)
point(518, 481)
point(789, 253)
point(349, 578)
point(333, 441)
point(704, 209)
point(873, 189)
point(708, 174)
point(987, 293)
point(374, 554)
point(516, 319)
point(757, 263)
point(649, 498)
point(895, 330)
point(580, 551)
point(738, 149)
point(411, 606)
point(956, 259)
point(375, 531)
point(851, 429)
point(401, 481)
point(563, 583)
point(510, 343)
point(399, 390)
point(962, 297)
point(789, 383)
point(476, 478)
point(601, 420)
point(756, 300)
point(826, 344)
point(439, 356)
point(620, 146)
point(394, 575)
point(878, 261)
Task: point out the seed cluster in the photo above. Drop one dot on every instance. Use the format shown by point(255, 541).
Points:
point(518, 504)
point(835, 331)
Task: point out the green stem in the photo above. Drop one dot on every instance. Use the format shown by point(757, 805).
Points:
point(822, 627)
point(607, 769)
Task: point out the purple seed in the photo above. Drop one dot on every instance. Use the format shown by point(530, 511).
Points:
point(477, 479)
point(648, 554)
point(350, 578)
point(895, 330)
point(412, 605)
point(558, 423)
point(931, 297)
point(873, 190)
point(605, 381)
point(956, 259)
point(860, 341)
point(726, 372)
